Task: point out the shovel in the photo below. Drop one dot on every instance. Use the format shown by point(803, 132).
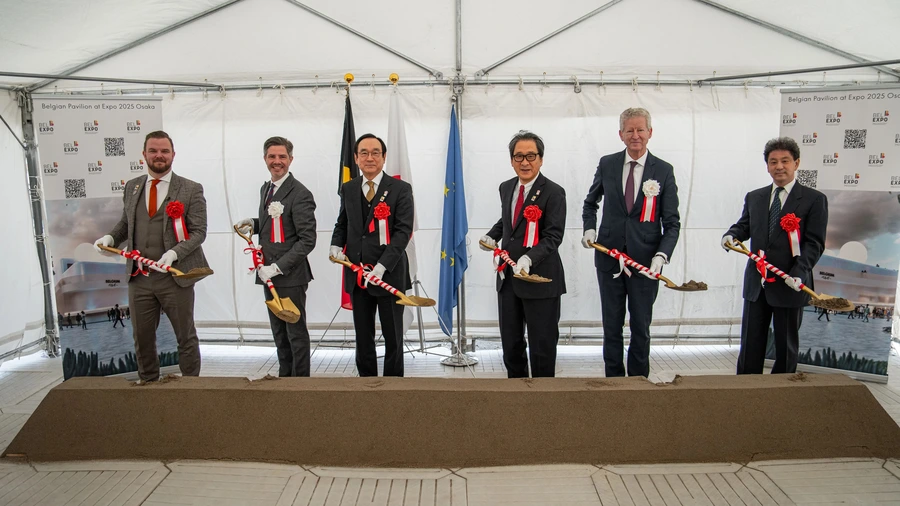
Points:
point(196, 272)
point(531, 278)
point(282, 307)
point(824, 301)
point(691, 286)
point(402, 298)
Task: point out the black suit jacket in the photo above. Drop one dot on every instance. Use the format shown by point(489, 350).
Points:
point(622, 230)
point(545, 261)
point(811, 207)
point(363, 246)
point(299, 223)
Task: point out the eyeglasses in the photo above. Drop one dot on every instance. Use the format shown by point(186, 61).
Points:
point(366, 154)
point(530, 157)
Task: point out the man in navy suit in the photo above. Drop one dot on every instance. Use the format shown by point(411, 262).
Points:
point(529, 204)
point(641, 220)
point(778, 301)
point(285, 251)
point(375, 223)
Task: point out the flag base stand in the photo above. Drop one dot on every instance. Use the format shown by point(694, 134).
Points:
point(459, 360)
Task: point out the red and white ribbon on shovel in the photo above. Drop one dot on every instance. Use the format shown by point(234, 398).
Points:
point(175, 211)
point(276, 209)
point(532, 214)
point(790, 223)
point(627, 260)
point(381, 213)
point(651, 191)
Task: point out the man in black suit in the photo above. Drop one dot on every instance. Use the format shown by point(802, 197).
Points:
point(531, 226)
point(287, 234)
point(780, 303)
point(374, 223)
point(640, 220)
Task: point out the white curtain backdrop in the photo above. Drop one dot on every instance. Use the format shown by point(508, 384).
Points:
point(714, 138)
point(22, 296)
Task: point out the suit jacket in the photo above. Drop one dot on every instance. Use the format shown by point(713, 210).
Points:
point(364, 246)
point(189, 193)
point(622, 230)
point(299, 224)
point(811, 207)
point(545, 261)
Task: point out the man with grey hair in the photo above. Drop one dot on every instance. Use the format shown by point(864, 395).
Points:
point(287, 234)
point(640, 221)
point(531, 226)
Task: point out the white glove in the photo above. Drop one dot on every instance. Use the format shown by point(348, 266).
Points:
point(588, 237)
point(794, 283)
point(378, 271)
point(727, 240)
point(267, 272)
point(523, 264)
point(337, 253)
point(106, 240)
point(489, 241)
point(656, 264)
point(245, 226)
point(168, 258)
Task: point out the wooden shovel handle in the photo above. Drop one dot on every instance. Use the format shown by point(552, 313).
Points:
point(167, 268)
point(771, 268)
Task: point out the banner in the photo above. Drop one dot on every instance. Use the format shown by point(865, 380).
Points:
point(88, 149)
point(850, 151)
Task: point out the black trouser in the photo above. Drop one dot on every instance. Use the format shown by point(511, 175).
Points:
point(640, 293)
point(391, 315)
point(541, 318)
point(755, 334)
point(291, 339)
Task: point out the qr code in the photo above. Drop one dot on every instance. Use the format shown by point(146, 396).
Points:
point(808, 178)
point(75, 189)
point(115, 146)
point(855, 139)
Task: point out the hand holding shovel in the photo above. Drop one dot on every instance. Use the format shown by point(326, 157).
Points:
point(691, 286)
point(196, 272)
point(282, 307)
point(531, 278)
point(403, 299)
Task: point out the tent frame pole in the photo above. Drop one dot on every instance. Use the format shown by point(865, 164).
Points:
point(875, 64)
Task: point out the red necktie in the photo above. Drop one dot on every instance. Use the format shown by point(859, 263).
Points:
point(629, 189)
point(519, 203)
point(151, 206)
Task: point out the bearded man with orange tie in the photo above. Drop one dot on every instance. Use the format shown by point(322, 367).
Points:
point(164, 217)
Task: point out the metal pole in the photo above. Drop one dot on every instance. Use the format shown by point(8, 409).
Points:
point(60, 77)
point(389, 49)
point(458, 36)
point(796, 36)
point(799, 71)
point(138, 42)
point(421, 325)
point(38, 217)
point(549, 36)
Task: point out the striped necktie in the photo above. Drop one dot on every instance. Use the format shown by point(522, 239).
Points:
point(775, 212)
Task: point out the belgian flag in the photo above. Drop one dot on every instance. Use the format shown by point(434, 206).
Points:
point(347, 171)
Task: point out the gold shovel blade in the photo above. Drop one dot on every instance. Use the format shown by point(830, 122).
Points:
point(196, 272)
point(284, 309)
point(831, 302)
point(414, 300)
point(532, 278)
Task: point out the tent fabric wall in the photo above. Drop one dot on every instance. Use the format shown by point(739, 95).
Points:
point(714, 140)
point(22, 297)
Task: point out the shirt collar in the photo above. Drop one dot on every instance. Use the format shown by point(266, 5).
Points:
point(529, 184)
point(376, 180)
point(165, 179)
point(642, 161)
point(280, 181)
point(787, 187)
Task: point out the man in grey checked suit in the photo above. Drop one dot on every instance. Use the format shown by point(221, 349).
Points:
point(285, 258)
point(145, 226)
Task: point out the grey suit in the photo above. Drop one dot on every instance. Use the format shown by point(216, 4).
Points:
point(148, 295)
point(299, 224)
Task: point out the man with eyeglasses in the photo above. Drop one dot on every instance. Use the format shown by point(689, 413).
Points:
point(287, 235)
point(531, 227)
point(640, 220)
point(373, 228)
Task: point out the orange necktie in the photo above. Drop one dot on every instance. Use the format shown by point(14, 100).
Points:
point(151, 206)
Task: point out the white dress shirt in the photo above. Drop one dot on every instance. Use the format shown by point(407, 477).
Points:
point(516, 196)
point(277, 184)
point(638, 172)
point(162, 190)
point(376, 180)
point(784, 195)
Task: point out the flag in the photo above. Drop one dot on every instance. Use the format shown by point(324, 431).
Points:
point(347, 171)
point(454, 259)
point(397, 164)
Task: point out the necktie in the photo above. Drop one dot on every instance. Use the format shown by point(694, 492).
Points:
point(270, 194)
point(520, 201)
point(151, 205)
point(370, 193)
point(775, 211)
point(629, 189)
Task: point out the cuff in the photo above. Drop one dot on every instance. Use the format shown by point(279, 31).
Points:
point(663, 255)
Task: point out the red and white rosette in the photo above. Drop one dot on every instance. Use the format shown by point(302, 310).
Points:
point(381, 213)
point(790, 223)
point(532, 214)
point(275, 210)
point(175, 211)
point(651, 191)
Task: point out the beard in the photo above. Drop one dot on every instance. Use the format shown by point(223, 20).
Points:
point(152, 168)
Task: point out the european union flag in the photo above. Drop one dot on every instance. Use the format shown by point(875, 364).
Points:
point(454, 259)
